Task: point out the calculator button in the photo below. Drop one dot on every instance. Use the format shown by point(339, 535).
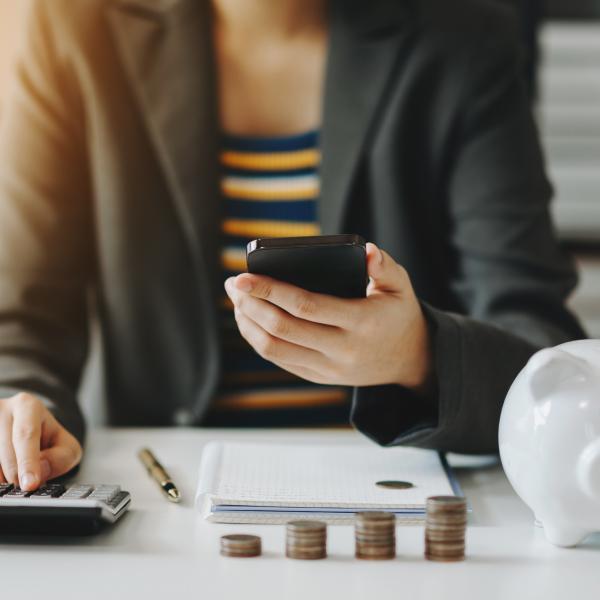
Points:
point(51, 490)
point(104, 493)
point(117, 499)
point(17, 493)
point(77, 492)
point(5, 487)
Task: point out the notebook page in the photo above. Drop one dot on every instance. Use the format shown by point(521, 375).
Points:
point(318, 476)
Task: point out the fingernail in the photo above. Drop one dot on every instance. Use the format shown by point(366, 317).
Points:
point(28, 480)
point(243, 284)
point(46, 470)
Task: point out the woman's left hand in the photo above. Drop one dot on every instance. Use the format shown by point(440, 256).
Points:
point(377, 340)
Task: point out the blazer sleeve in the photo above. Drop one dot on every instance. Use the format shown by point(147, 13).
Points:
point(507, 276)
point(45, 233)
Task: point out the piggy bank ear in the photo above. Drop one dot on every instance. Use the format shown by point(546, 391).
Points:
point(552, 369)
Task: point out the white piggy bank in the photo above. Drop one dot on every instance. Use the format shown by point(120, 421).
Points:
point(550, 439)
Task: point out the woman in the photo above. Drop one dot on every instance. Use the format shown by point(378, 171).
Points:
point(147, 141)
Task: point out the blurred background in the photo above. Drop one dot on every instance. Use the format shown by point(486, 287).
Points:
point(11, 12)
point(562, 38)
point(568, 109)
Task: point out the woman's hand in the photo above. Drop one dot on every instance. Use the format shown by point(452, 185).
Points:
point(34, 447)
point(380, 339)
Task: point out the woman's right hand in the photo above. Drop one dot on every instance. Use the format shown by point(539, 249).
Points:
point(34, 446)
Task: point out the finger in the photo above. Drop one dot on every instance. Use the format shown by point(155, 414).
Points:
point(7, 452)
point(61, 450)
point(45, 469)
point(304, 373)
point(318, 308)
point(385, 273)
point(276, 350)
point(26, 436)
point(61, 458)
point(284, 326)
point(51, 429)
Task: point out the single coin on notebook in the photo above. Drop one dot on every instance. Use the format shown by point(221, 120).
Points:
point(274, 483)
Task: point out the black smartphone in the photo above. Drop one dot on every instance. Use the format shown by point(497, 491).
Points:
point(326, 264)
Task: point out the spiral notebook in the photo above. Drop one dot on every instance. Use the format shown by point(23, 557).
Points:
point(273, 483)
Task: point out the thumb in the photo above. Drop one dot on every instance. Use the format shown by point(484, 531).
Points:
point(385, 273)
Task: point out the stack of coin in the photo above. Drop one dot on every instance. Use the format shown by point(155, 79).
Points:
point(445, 527)
point(375, 535)
point(306, 540)
point(240, 545)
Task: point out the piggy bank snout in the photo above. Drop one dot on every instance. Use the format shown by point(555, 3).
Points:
point(588, 470)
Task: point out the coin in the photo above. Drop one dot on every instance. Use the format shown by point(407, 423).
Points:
point(445, 526)
point(436, 558)
point(444, 536)
point(240, 540)
point(303, 527)
point(240, 545)
point(371, 553)
point(298, 554)
point(375, 515)
point(375, 535)
point(446, 503)
point(395, 485)
point(306, 540)
point(375, 520)
point(449, 518)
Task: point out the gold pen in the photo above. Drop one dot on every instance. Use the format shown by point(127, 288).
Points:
point(158, 473)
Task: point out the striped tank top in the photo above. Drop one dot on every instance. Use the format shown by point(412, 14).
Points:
point(270, 188)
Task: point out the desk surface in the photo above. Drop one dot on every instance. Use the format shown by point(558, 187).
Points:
point(161, 550)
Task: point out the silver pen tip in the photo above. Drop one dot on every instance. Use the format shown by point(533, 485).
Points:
point(174, 495)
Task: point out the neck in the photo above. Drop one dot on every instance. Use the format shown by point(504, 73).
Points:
point(286, 17)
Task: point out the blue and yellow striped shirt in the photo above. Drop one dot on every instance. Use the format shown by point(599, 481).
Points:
point(270, 188)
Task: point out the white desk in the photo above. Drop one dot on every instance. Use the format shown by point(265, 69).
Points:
point(166, 551)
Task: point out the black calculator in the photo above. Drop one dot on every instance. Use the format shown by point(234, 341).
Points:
point(58, 509)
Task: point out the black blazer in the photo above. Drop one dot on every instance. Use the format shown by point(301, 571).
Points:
point(109, 184)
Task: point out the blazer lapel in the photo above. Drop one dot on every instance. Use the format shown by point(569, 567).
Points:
point(365, 43)
point(166, 50)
